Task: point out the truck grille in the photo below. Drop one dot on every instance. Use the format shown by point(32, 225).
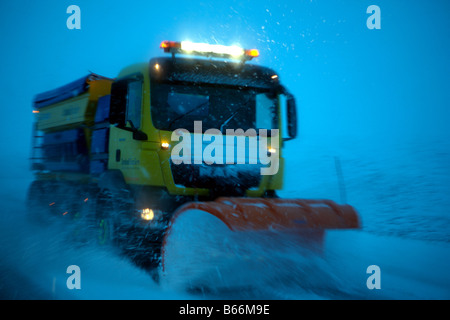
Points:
point(229, 179)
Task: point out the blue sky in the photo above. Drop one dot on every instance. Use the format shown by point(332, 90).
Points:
point(348, 80)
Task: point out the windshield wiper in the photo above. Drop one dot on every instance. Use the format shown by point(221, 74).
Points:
point(185, 114)
point(229, 119)
point(234, 113)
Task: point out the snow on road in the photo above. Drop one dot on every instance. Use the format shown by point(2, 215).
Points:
point(409, 243)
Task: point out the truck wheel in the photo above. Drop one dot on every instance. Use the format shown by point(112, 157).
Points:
point(102, 219)
point(112, 217)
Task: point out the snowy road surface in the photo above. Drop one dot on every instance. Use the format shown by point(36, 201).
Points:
point(401, 194)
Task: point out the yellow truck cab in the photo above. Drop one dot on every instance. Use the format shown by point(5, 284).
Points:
point(125, 129)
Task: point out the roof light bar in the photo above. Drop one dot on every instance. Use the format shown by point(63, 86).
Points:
point(212, 50)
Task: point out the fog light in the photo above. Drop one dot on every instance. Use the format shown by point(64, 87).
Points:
point(165, 145)
point(147, 214)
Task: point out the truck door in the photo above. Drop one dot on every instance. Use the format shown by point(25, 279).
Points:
point(126, 137)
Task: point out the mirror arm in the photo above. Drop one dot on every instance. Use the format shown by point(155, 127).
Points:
point(137, 134)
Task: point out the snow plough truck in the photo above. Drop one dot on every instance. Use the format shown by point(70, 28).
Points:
point(187, 143)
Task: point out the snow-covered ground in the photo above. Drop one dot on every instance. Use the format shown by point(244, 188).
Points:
point(400, 190)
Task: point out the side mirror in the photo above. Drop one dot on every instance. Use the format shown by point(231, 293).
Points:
point(137, 134)
point(291, 117)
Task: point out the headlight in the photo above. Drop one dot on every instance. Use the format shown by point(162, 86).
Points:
point(147, 214)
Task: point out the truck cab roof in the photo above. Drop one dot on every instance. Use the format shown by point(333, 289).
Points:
point(220, 72)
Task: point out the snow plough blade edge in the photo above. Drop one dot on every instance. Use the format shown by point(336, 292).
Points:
point(241, 214)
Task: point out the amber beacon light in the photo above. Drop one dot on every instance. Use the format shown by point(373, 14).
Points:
point(209, 50)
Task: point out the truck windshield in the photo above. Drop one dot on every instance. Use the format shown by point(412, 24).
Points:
point(176, 106)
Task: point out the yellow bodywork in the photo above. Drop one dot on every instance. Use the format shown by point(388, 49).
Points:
point(143, 163)
point(75, 112)
point(146, 163)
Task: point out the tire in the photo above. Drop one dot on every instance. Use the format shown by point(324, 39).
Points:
point(112, 217)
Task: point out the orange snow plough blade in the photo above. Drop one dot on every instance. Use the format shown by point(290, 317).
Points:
point(241, 214)
point(206, 241)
